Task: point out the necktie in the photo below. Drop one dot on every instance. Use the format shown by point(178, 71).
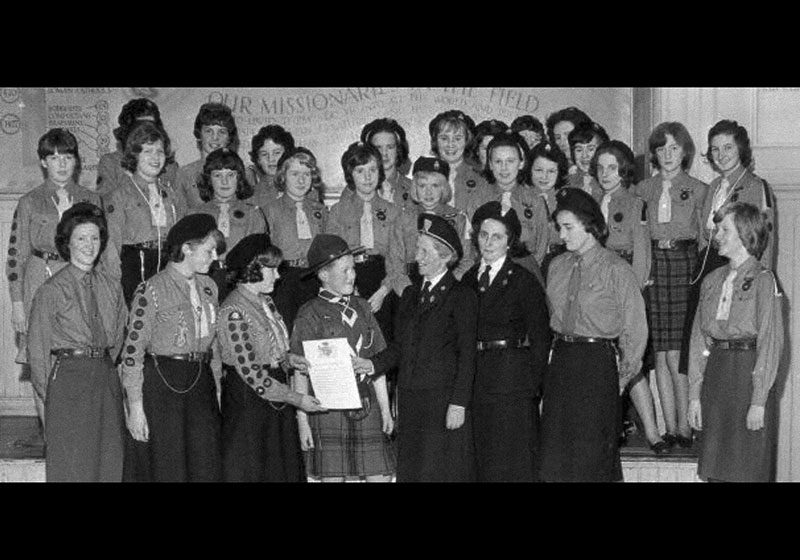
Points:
point(604, 205)
point(505, 203)
point(587, 183)
point(724, 306)
point(278, 328)
point(303, 229)
point(349, 314)
point(367, 239)
point(99, 339)
point(483, 281)
point(224, 221)
point(571, 309)
point(200, 318)
point(719, 198)
point(157, 211)
point(452, 180)
point(665, 203)
point(64, 201)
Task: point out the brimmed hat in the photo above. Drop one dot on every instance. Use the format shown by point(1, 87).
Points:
point(189, 228)
point(431, 165)
point(246, 250)
point(441, 230)
point(494, 210)
point(326, 248)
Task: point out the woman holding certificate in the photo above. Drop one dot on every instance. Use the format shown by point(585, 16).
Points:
point(343, 443)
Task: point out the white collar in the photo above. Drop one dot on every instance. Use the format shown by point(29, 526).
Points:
point(435, 280)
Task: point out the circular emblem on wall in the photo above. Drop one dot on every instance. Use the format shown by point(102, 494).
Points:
point(9, 123)
point(9, 95)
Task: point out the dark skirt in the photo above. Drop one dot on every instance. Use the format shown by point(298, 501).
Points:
point(292, 291)
point(138, 265)
point(728, 450)
point(347, 447)
point(672, 270)
point(581, 415)
point(506, 428)
point(426, 450)
point(259, 443)
point(85, 422)
point(185, 434)
point(369, 276)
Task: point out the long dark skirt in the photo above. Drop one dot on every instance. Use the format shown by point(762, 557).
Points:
point(259, 443)
point(85, 422)
point(506, 428)
point(426, 450)
point(369, 276)
point(728, 450)
point(347, 447)
point(669, 296)
point(581, 417)
point(131, 268)
point(292, 291)
point(185, 428)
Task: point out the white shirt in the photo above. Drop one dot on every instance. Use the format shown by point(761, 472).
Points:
point(435, 280)
point(496, 266)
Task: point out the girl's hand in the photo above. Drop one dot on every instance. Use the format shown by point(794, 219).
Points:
point(755, 417)
point(695, 415)
point(455, 417)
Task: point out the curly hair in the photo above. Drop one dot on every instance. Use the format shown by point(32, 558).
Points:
point(145, 132)
point(360, 153)
point(277, 134)
point(271, 257)
point(223, 158)
point(80, 213)
point(625, 161)
point(740, 136)
point(219, 114)
point(390, 126)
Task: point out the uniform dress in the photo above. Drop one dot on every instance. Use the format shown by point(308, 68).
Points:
point(165, 361)
point(397, 189)
point(346, 219)
point(628, 236)
point(32, 253)
point(554, 244)
point(137, 229)
point(260, 440)
point(594, 296)
point(264, 191)
point(186, 184)
point(292, 289)
point(585, 182)
point(512, 309)
point(111, 174)
point(468, 187)
point(435, 350)
point(675, 233)
point(728, 379)
point(741, 186)
point(402, 267)
point(76, 330)
point(236, 219)
point(344, 445)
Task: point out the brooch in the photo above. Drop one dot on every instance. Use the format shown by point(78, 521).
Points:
point(163, 194)
point(238, 214)
point(109, 209)
point(685, 194)
point(735, 197)
point(208, 291)
point(318, 215)
point(618, 217)
point(405, 196)
point(528, 212)
point(381, 214)
point(471, 183)
point(748, 282)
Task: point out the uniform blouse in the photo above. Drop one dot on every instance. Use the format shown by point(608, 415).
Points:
point(467, 186)
point(245, 218)
point(111, 174)
point(578, 179)
point(627, 231)
point(755, 312)
point(687, 196)
point(281, 216)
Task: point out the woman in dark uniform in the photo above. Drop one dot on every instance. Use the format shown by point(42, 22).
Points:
point(737, 339)
point(513, 341)
point(390, 140)
point(600, 333)
point(141, 210)
point(267, 148)
point(260, 441)
point(172, 408)
point(77, 329)
point(227, 196)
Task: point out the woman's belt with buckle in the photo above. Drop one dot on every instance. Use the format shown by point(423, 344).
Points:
point(153, 244)
point(46, 255)
point(584, 339)
point(297, 263)
point(188, 357)
point(94, 353)
point(366, 257)
point(734, 344)
point(504, 344)
point(674, 244)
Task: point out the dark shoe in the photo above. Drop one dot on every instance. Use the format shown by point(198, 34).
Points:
point(684, 442)
point(670, 439)
point(659, 447)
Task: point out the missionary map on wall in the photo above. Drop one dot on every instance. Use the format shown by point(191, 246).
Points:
point(325, 120)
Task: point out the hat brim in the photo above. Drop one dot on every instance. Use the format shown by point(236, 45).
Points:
point(311, 270)
point(443, 241)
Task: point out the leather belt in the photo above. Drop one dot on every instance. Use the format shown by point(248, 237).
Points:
point(674, 244)
point(189, 357)
point(734, 344)
point(297, 263)
point(584, 339)
point(505, 344)
point(46, 255)
point(154, 244)
point(94, 353)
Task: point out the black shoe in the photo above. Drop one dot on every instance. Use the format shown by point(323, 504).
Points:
point(685, 442)
point(670, 439)
point(659, 447)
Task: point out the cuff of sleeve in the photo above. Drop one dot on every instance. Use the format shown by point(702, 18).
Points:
point(759, 396)
point(294, 398)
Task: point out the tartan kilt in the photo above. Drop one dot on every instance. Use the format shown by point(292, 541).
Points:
point(668, 296)
point(347, 447)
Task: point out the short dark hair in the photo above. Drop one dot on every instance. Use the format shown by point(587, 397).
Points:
point(511, 140)
point(216, 114)
point(145, 132)
point(491, 127)
point(585, 133)
point(360, 153)
point(516, 247)
point(751, 225)
point(62, 141)
point(571, 114)
point(392, 127)
point(223, 158)
point(658, 138)
point(271, 256)
point(307, 158)
point(625, 160)
point(89, 214)
point(529, 122)
point(133, 111)
point(274, 132)
point(175, 252)
point(546, 150)
point(451, 119)
point(740, 136)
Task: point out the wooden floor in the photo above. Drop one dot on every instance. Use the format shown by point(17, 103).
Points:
point(20, 463)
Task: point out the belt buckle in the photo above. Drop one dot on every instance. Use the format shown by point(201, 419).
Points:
point(93, 352)
point(362, 258)
point(567, 338)
point(666, 244)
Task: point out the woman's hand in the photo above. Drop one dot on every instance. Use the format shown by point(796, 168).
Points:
point(298, 362)
point(18, 319)
point(376, 301)
point(137, 421)
point(362, 367)
point(455, 417)
point(755, 417)
point(695, 416)
point(387, 422)
point(306, 439)
point(311, 404)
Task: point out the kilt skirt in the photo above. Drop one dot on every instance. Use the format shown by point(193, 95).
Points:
point(668, 296)
point(728, 450)
point(581, 415)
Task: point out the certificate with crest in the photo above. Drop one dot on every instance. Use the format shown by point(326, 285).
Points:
point(331, 373)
